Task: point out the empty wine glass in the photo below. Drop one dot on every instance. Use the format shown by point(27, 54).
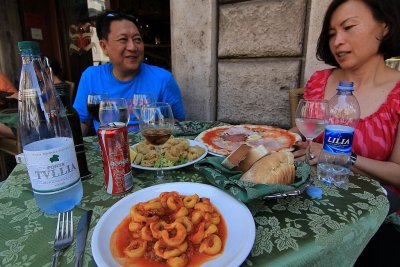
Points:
point(134, 105)
point(139, 100)
point(156, 124)
point(113, 110)
point(311, 119)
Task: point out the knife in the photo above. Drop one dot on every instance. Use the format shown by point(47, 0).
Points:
point(82, 230)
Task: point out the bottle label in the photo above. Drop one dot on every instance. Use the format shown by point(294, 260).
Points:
point(338, 139)
point(51, 164)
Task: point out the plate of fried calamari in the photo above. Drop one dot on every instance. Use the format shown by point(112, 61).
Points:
point(175, 153)
point(174, 224)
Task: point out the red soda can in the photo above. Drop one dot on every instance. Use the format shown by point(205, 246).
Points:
point(113, 140)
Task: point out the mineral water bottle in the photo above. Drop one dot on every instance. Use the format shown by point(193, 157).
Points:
point(344, 112)
point(46, 137)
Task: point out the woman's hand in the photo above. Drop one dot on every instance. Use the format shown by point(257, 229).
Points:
point(300, 152)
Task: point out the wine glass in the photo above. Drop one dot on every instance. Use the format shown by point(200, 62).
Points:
point(113, 110)
point(311, 119)
point(93, 104)
point(139, 100)
point(156, 124)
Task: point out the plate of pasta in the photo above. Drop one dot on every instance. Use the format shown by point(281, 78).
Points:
point(120, 233)
point(176, 153)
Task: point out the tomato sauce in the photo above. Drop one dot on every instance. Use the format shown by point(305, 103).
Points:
point(121, 238)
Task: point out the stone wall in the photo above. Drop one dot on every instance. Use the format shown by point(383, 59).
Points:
point(260, 49)
point(236, 60)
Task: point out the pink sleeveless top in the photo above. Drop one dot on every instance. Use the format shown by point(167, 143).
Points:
point(375, 134)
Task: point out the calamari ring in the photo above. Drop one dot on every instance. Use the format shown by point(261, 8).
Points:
point(215, 218)
point(211, 229)
point(156, 228)
point(179, 236)
point(163, 251)
point(176, 251)
point(183, 211)
point(204, 207)
point(136, 216)
point(197, 216)
point(178, 261)
point(153, 204)
point(174, 203)
point(165, 195)
point(159, 248)
point(135, 226)
point(211, 245)
point(136, 248)
point(146, 233)
point(186, 222)
point(190, 201)
point(197, 237)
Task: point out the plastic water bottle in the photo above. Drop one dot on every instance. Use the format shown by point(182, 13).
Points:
point(46, 137)
point(344, 112)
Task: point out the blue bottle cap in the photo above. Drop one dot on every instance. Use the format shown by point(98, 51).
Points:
point(345, 86)
point(314, 192)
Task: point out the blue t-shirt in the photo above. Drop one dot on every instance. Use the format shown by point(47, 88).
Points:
point(149, 79)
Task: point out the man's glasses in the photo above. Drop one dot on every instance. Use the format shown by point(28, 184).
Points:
point(118, 15)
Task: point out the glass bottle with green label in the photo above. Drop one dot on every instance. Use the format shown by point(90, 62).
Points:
point(46, 137)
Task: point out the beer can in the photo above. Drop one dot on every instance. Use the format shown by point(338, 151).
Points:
point(113, 140)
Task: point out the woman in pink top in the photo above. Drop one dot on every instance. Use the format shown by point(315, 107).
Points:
point(356, 37)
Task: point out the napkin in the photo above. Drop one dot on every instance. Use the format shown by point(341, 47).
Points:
point(228, 180)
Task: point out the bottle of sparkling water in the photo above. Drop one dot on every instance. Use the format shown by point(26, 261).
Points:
point(344, 112)
point(46, 137)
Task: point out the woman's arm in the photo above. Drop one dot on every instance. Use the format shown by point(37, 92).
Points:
point(386, 171)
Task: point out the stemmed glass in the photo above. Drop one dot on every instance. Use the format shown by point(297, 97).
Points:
point(140, 100)
point(93, 104)
point(311, 119)
point(113, 110)
point(156, 124)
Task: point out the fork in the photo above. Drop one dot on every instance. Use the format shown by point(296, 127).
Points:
point(64, 234)
point(295, 192)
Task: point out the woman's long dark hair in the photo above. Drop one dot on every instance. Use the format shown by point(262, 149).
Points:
point(387, 11)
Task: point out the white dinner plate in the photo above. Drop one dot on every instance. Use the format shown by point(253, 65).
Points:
point(239, 221)
point(215, 154)
point(191, 143)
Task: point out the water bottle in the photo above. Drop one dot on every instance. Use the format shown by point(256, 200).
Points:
point(344, 112)
point(46, 137)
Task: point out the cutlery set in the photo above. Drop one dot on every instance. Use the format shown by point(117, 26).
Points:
point(65, 235)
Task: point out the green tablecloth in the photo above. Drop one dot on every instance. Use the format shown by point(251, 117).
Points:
point(295, 231)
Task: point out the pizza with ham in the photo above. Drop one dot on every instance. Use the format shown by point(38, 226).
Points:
point(223, 140)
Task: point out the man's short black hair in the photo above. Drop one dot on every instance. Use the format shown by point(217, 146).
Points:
point(104, 20)
point(386, 11)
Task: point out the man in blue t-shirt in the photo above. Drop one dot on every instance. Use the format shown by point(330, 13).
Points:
point(126, 75)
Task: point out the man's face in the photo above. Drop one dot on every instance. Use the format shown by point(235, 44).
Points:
point(124, 46)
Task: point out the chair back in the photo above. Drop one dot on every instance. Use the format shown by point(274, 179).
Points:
point(8, 145)
point(71, 91)
point(294, 97)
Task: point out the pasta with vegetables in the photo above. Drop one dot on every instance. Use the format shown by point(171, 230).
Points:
point(175, 151)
